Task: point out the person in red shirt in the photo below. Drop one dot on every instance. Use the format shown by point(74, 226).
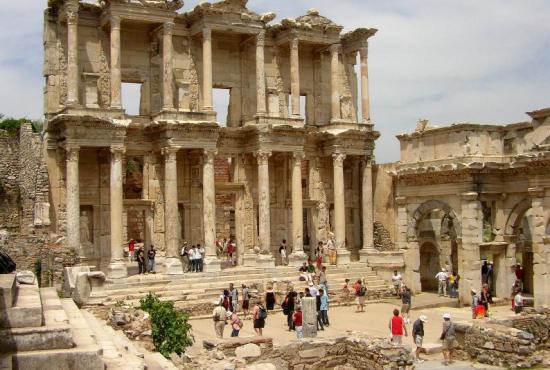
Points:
point(297, 318)
point(131, 248)
point(397, 328)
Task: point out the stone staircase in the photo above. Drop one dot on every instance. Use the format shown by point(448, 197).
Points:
point(199, 288)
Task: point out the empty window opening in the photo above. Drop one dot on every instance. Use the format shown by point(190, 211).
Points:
point(131, 98)
point(221, 105)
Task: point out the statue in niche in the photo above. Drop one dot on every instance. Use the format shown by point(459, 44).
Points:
point(85, 225)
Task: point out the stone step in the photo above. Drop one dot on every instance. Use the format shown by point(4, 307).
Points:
point(26, 310)
point(35, 338)
point(7, 290)
point(79, 358)
point(82, 334)
point(53, 311)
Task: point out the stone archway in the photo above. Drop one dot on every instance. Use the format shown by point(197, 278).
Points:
point(426, 208)
point(517, 231)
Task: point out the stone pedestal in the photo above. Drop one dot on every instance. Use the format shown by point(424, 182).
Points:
point(364, 255)
point(297, 258)
point(117, 270)
point(249, 259)
point(173, 266)
point(309, 316)
point(212, 264)
point(343, 257)
point(265, 261)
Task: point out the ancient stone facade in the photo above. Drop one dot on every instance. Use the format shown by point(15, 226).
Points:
point(299, 157)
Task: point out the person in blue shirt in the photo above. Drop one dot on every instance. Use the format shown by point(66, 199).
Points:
point(324, 307)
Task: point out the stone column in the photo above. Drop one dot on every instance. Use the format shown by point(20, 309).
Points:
point(340, 209)
point(207, 69)
point(298, 256)
point(469, 265)
point(171, 237)
point(408, 245)
point(260, 74)
point(73, 201)
point(309, 316)
point(365, 103)
point(211, 263)
point(264, 211)
point(368, 211)
point(117, 266)
point(541, 250)
point(72, 54)
point(295, 75)
point(334, 82)
point(116, 82)
point(168, 74)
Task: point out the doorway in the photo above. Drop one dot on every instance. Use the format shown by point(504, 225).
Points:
point(429, 267)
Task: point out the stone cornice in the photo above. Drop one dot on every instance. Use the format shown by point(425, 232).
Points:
point(463, 127)
point(356, 39)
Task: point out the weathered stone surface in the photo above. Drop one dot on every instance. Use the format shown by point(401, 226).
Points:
point(25, 277)
point(7, 290)
point(248, 351)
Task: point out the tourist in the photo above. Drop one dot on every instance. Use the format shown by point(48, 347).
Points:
point(405, 304)
point(282, 252)
point(270, 298)
point(184, 254)
point(201, 253)
point(320, 325)
point(235, 322)
point(288, 308)
point(490, 276)
point(297, 318)
point(246, 302)
point(225, 300)
point(230, 252)
point(219, 315)
point(331, 249)
point(141, 261)
point(397, 281)
point(418, 336)
point(131, 249)
point(486, 298)
point(520, 274)
point(220, 250)
point(452, 285)
point(346, 292)
point(442, 281)
point(323, 282)
point(312, 290)
point(151, 260)
point(397, 327)
point(324, 306)
point(474, 302)
point(319, 255)
point(484, 271)
point(304, 275)
point(360, 293)
point(234, 296)
point(310, 268)
point(518, 302)
point(515, 289)
point(192, 259)
point(448, 337)
point(259, 315)
point(307, 293)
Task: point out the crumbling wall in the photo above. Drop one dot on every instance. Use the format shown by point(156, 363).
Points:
point(384, 207)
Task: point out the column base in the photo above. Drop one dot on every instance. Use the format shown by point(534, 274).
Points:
point(265, 261)
point(249, 259)
point(212, 264)
point(173, 266)
point(117, 270)
point(297, 258)
point(343, 257)
point(364, 254)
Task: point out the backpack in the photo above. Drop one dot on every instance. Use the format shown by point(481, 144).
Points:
point(262, 314)
point(362, 291)
point(6, 263)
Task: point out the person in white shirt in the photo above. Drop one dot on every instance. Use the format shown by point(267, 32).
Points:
point(192, 260)
point(442, 278)
point(200, 257)
point(397, 281)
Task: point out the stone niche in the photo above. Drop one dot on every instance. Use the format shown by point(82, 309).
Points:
point(91, 91)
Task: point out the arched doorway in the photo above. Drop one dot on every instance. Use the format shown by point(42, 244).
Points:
point(429, 266)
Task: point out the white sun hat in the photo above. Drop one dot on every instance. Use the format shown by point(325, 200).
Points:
point(446, 315)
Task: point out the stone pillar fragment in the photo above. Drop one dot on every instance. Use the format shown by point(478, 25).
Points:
point(168, 75)
point(295, 75)
point(469, 265)
point(211, 263)
point(117, 266)
point(298, 256)
point(365, 102)
point(264, 214)
point(207, 69)
point(72, 54)
point(73, 200)
point(309, 316)
point(171, 237)
point(116, 82)
point(340, 209)
point(541, 248)
point(260, 74)
point(334, 82)
point(368, 211)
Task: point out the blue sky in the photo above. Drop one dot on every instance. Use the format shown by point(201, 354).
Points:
point(446, 61)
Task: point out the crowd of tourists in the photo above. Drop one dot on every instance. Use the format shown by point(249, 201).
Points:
point(145, 259)
point(192, 257)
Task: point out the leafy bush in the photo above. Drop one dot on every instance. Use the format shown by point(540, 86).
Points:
point(11, 125)
point(170, 329)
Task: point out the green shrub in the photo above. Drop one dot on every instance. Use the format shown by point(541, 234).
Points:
point(170, 328)
point(37, 270)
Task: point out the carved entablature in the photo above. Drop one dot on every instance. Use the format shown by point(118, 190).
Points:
point(357, 39)
point(170, 5)
point(312, 28)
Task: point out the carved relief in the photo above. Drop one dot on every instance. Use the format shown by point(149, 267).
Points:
point(104, 82)
point(62, 72)
point(172, 5)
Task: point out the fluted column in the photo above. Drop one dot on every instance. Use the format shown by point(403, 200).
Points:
point(72, 55)
point(211, 262)
point(365, 103)
point(264, 214)
point(171, 236)
point(207, 69)
point(117, 265)
point(260, 73)
point(298, 256)
point(168, 75)
point(340, 209)
point(116, 82)
point(295, 75)
point(334, 82)
point(366, 196)
point(73, 200)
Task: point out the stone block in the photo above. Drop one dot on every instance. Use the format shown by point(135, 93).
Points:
point(248, 351)
point(265, 261)
point(64, 359)
point(118, 270)
point(69, 278)
point(212, 264)
point(343, 257)
point(173, 266)
point(25, 277)
point(7, 290)
point(432, 348)
point(318, 352)
point(32, 339)
point(297, 258)
point(309, 320)
point(26, 310)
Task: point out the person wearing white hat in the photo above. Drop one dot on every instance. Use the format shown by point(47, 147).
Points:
point(442, 278)
point(219, 315)
point(418, 336)
point(448, 336)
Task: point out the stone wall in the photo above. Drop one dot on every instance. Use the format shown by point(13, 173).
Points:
point(383, 198)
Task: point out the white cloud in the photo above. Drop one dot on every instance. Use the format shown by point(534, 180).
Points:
point(447, 61)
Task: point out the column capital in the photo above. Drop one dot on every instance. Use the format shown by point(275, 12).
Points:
point(72, 15)
point(169, 153)
point(72, 152)
point(366, 162)
point(117, 152)
point(168, 28)
point(294, 41)
point(115, 21)
point(209, 156)
point(536, 192)
point(334, 48)
point(338, 159)
point(207, 33)
point(364, 50)
point(260, 38)
point(469, 196)
point(262, 156)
